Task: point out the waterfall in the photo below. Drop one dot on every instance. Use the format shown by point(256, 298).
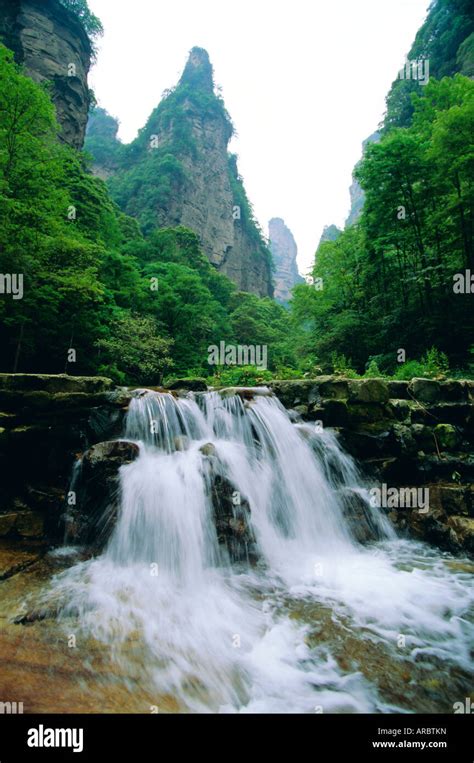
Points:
point(227, 631)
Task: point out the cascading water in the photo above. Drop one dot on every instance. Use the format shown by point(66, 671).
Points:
point(264, 636)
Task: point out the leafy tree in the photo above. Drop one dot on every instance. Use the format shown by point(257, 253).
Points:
point(135, 351)
point(92, 25)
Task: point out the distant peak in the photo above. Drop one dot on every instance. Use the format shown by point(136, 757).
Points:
point(198, 71)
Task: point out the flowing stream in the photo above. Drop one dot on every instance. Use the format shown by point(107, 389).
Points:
point(314, 621)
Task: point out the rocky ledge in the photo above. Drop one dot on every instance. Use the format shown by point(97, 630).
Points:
point(45, 423)
point(404, 435)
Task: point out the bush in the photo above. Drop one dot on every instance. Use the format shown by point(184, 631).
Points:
point(373, 371)
point(342, 366)
point(241, 376)
point(433, 365)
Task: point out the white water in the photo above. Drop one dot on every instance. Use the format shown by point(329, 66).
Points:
point(219, 637)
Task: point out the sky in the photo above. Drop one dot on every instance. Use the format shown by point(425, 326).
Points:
point(304, 82)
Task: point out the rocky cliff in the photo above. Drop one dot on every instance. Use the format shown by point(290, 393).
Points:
point(51, 44)
point(356, 193)
point(330, 233)
point(405, 436)
point(284, 252)
point(178, 172)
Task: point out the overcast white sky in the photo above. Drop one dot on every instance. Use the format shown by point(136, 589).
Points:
point(304, 81)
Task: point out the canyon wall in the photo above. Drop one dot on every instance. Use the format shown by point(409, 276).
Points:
point(51, 44)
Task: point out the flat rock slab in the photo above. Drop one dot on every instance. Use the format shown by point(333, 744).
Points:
point(14, 558)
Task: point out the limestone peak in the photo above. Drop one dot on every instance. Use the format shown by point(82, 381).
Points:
point(198, 71)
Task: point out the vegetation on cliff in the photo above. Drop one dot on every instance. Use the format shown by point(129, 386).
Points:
point(162, 177)
point(97, 296)
point(391, 295)
point(399, 282)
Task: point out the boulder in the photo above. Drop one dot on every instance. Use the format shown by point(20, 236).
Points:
point(359, 516)
point(368, 391)
point(462, 532)
point(232, 520)
point(447, 436)
point(425, 390)
point(95, 503)
point(54, 383)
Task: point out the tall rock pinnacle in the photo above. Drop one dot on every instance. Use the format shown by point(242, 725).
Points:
point(178, 172)
point(284, 252)
point(198, 71)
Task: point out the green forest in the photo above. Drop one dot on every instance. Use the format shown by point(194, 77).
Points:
point(108, 291)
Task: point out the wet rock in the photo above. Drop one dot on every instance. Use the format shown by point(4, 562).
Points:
point(292, 393)
point(401, 410)
point(431, 468)
point(109, 457)
point(29, 524)
point(423, 437)
point(232, 520)
point(359, 516)
point(181, 442)
point(462, 532)
point(91, 519)
point(14, 558)
point(333, 387)
point(208, 449)
point(452, 499)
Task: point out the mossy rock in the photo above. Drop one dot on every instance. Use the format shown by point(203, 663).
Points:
point(368, 413)
point(368, 391)
point(447, 436)
point(462, 528)
point(425, 390)
point(333, 387)
point(53, 383)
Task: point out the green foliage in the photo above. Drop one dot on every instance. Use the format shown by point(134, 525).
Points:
point(373, 371)
point(105, 150)
point(341, 366)
point(89, 273)
point(247, 217)
point(446, 40)
point(241, 376)
point(134, 344)
point(92, 25)
point(388, 282)
point(433, 365)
